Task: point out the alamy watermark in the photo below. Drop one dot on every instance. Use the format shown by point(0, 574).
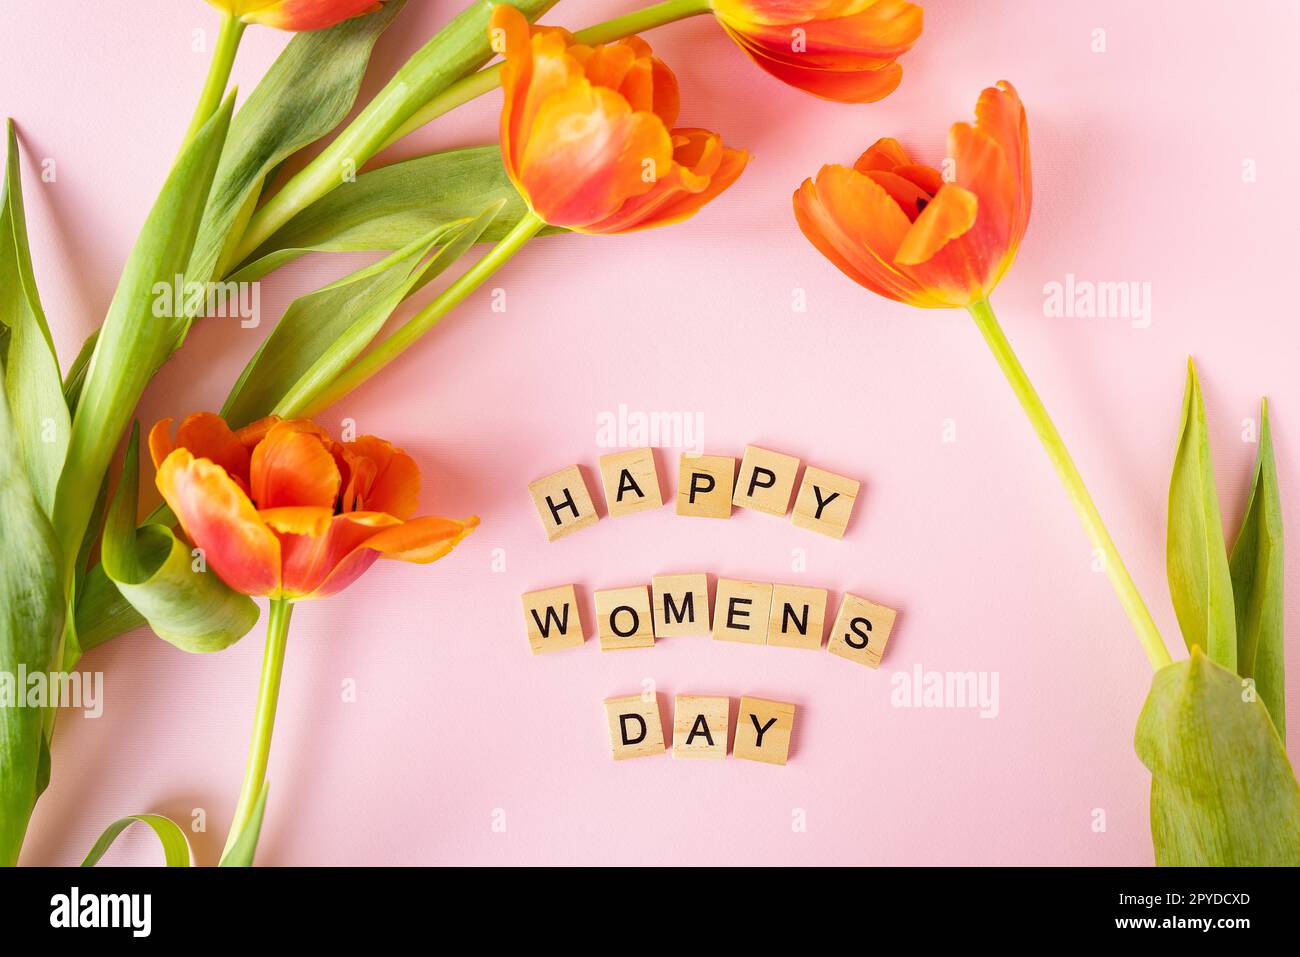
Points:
point(215, 300)
point(53, 689)
point(970, 690)
point(627, 428)
point(1085, 299)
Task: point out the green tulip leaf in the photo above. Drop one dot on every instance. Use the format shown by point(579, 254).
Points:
point(176, 847)
point(321, 333)
point(1257, 573)
point(155, 573)
point(391, 207)
point(33, 387)
point(1222, 790)
point(244, 849)
point(1196, 556)
point(137, 336)
point(31, 620)
point(296, 103)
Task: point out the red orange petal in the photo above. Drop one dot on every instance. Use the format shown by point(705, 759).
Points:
point(293, 466)
point(951, 214)
point(588, 153)
point(161, 443)
point(207, 436)
point(385, 478)
point(218, 518)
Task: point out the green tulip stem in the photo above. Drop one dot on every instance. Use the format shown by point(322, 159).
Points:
point(424, 320)
point(268, 693)
point(214, 88)
point(1120, 579)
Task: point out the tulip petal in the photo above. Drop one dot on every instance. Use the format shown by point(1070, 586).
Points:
point(951, 214)
point(382, 478)
point(298, 15)
point(161, 443)
point(884, 154)
point(207, 436)
point(422, 540)
point(1001, 115)
point(254, 432)
point(309, 559)
point(866, 40)
point(911, 199)
point(841, 86)
point(588, 152)
point(855, 224)
point(218, 518)
point(297, 519)
point(536, 67)
point(293, 466)
point(702, 168)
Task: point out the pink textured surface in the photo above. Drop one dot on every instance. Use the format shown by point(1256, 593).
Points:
point(1138, 154)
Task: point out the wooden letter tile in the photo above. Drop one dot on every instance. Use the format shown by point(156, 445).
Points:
point(563, 502)
point(634, 728)
point(741, 610)
point(623, 618)
point(681, 605)
point(700, 726)
point(763, 730)
point(705, 484)
point(631, 482)
point(766, 481)
point(861, 630)
point(798, 617)
point(553, 620)
point(825, 502)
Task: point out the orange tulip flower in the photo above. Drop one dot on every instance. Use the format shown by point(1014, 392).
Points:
point(297, 15)
point(843, 50)
point(911, 234)
point(282, 510)
point(900, 230)
point(587, 137)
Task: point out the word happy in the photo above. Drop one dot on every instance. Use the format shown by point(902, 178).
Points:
point(708, 486)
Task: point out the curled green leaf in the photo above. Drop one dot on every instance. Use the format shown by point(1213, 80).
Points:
point(176, 848)
point(156, 573)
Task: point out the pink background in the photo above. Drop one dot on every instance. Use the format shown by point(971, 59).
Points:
point(1138, 155)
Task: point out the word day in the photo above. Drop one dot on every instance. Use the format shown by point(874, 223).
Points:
point(700, 728)
point(708, 486)
point(754, 613)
